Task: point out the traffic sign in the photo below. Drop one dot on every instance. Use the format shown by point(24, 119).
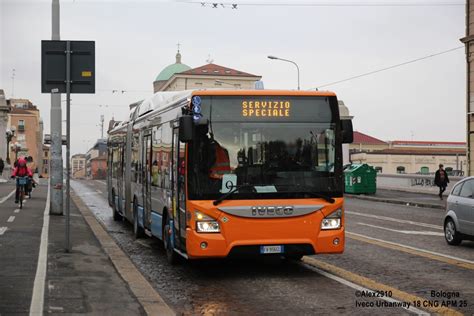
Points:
point(54, 66)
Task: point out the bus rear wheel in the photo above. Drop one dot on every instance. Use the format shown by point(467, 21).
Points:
point(170, 254)
point(117, 216)
point(138, 231)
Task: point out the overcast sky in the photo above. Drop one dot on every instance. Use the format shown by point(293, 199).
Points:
point(135, 40)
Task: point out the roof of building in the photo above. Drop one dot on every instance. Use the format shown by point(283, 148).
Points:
point(22, 111)
point(361, 138)
point(419, 152)
point(79, 156)
point(25, 104)
point(172, 69)
point(101, 157)
point(426, 143)
point(216, 70)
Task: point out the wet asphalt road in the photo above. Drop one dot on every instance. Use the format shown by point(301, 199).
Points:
point(271, 286)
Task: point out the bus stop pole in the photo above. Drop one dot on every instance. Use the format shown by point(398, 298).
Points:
point(56, 157)
point(68, 142)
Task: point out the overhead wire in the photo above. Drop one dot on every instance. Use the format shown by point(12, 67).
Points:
point(388, 68)
point(234, 5)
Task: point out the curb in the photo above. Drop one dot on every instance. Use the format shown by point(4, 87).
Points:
point(392, 201)
point(147, 296)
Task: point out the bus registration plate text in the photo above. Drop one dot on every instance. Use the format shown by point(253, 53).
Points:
point(271, 249)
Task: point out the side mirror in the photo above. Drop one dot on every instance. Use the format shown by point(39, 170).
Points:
point(347, 132)
point(186, 128)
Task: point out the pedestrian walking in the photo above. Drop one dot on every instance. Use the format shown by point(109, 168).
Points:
point(2, 166)
point(441, 180)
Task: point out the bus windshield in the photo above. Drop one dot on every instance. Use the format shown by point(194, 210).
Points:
point(286, 156)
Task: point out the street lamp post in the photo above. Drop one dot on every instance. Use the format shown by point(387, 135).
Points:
point(16, 148)
point(289, 61)
point(9, 134)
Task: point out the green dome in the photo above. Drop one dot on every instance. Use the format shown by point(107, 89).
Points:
point(170, 70)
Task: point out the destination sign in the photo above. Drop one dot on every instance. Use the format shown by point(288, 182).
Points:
point(263, 108)
point(266, 108)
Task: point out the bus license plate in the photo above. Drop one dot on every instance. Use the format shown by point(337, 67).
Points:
point(271, 249)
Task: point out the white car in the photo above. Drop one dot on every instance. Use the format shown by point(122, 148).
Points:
point(459, 218)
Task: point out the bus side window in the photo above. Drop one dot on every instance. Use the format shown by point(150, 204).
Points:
point(156, 157)
point(135, 159)
point(166, 157)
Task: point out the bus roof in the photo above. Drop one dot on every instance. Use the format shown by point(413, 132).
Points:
point(162, 100)
point(263, 92)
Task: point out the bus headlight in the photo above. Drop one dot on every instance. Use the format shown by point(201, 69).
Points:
point(332, 221)
point(208, 227)
point(205, 223)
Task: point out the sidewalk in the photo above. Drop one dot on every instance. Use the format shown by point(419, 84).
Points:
point(401, 197)
point(84, 280)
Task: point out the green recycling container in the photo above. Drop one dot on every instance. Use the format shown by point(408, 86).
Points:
point(360, 179)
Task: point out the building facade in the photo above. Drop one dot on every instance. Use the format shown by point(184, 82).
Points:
point(99, 149)
point(78, 163)
point(410, 157)
point(98, 167)
point(179, 76)
point(24, 118)
point(392, 161)
point(4, 109)
point(365, 143)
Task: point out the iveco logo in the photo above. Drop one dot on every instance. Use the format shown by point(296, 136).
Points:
point(272, 210)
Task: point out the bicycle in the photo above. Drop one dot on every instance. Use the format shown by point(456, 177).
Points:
point(22, 182)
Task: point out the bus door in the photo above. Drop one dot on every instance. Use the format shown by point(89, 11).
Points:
point(119, 174)
point(121, 182)
point(109, 172)
point(147, 178)
point(178, 185)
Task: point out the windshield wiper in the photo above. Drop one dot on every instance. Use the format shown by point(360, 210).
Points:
point(323, 196)
point(232, 191)
point(316, 194)
point(248, 185)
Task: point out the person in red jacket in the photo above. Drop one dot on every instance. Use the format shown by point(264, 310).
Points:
point(21, 170)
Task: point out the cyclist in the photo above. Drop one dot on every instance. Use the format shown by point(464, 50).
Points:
point(21, 170)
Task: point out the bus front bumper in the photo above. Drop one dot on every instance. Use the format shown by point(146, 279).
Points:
point(215, 245)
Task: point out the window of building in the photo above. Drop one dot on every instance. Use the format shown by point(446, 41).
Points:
point(198, 83)
point(21, 125)
point(378, 169)
point(424, 170)
point(400, 169)
point(449, 170)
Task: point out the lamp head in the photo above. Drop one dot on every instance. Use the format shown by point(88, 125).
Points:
point(272, 57)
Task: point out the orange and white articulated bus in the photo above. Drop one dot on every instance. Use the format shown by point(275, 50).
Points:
point(215, 173)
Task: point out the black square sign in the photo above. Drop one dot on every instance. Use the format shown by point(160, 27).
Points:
point(53, 66)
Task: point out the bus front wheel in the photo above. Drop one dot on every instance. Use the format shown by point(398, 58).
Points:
point(170, 254)
point(293, 257)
